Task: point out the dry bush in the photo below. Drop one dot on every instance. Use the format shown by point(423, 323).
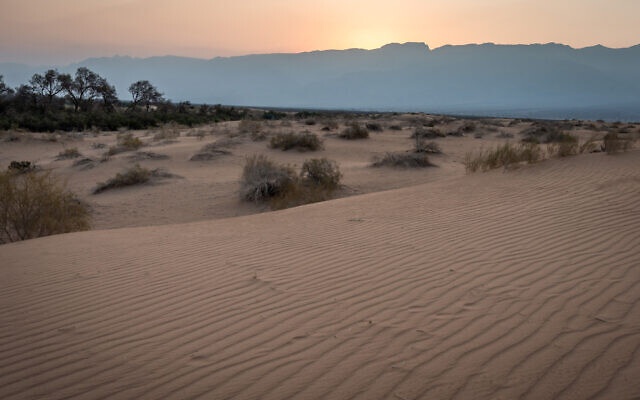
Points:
point(589, 146)
point(563, 149)
point(354, 131)
point(614, 143)
point(374, 127)
point(304, 141)
point(505, 155)
point(249, 126)
point(404, 160)
point(68, 153)
point(262, 179)
point(168, 131)
point(133, 176)
point(35, 204)
point(426, 133)
point(22, 167)
point(504, 135)
point(126, 142)
point(213, 150)
point(395, 127)
point(426, 147)
point(330, 124)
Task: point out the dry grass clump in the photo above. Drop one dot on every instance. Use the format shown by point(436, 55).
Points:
point(126, 142)
point(213, 150)
point(505, 155)
point(133, 176)
point(249, 126)
point(613, 143)
point(427, 147)
point(304, 141)
point(354, 131)
point(426, 133)
point(404, 160)
point(169, 131)
point(22, 167)
point(374, 127)
point(35, 204)
point(264, 180)
point(68, 153)
point(563, 149)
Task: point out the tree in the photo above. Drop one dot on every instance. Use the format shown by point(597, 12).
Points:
point(47, 86)
point(83, 88)
point(108, 94)
point(4, 89)
point(143, 92)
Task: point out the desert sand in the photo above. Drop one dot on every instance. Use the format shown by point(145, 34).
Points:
point(412, 284)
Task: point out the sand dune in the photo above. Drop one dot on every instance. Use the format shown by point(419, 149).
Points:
point(489, 286)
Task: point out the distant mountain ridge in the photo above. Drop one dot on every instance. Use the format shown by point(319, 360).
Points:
point(540, 80)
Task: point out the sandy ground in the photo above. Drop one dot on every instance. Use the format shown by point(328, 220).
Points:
point(416, 284)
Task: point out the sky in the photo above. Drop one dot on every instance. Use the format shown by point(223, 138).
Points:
point(59, 32)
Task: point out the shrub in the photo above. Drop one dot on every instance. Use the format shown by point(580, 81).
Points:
point(563, 149)
point(22, 166)
point(212, 150)
point(126, 142)
point(262, 179)
point(374, 127)
point(249, 126)
point(68, 153)
point(614, 143)
point(169, 131)
point(395, 127)
point(35, 204)
point(132, 176)
point(321, 172)
point(505, 155)
point(425, 133)
point(404, 160)
point(430, 147)
point(301, 141)
point(354, 131)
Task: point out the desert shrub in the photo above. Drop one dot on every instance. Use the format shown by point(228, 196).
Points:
point(68, 153)
point(395, 127)
point(258, 136)
point(271, 115)
point(249, 126)
point(467, 127)
point(589, 146)
point(168, 131)
point(330, 124)
point(310, 122)
point(262, 179)
point(125, 142)
point(404, 160)
point(304, 141)
point(427, 147)
point(504, 135)
point(374, 127)
point(563, 149)
point(22, 166)
point(614, 143)
point(426, 133)
point(354, 131)
point(560, 137)
point(35, 204)
point(505, 155)
point(321, 172)
point(132, 176)
point(213, 150)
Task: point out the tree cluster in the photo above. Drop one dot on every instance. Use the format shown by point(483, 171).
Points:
point(59, 101)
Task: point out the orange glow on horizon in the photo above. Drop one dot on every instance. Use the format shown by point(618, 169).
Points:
point(70, 30)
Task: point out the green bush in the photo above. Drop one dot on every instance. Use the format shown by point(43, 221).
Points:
point(35, 204)
point(301, 141)
point(133, 176)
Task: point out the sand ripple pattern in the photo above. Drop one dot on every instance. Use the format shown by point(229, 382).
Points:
point(512, 285)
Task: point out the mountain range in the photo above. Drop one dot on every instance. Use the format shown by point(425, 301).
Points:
point(539, 80)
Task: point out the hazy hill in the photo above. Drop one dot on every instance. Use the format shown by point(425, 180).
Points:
point(551, 80)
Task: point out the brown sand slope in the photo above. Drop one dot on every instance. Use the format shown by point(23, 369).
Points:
point(500, 285)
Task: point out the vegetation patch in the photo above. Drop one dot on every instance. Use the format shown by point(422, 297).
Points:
point(126, 142)
point(263, 180)
point(35, 204)
point(506, 155)
point(404, 160)
point(213, 150)
point(354, 131)
point(68, 154)
point(135, 175)
point(427, 133)
point(613, 143)
point(304, 141)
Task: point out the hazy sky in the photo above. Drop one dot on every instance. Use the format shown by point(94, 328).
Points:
point(63, 31)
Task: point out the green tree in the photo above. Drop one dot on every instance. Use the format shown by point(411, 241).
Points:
point(144, 93)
